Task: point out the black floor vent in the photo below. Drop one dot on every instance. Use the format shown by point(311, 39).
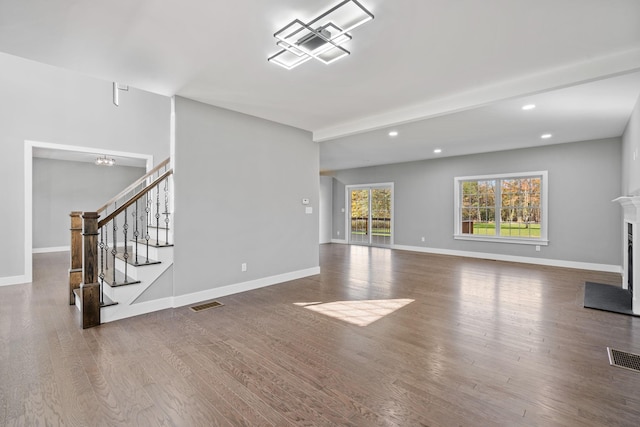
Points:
point(625, 360)
point(207, 305)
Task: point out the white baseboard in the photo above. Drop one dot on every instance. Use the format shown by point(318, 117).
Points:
point(339, 241)
point(117, 312)
point(14, 280)
point(609, 268)
point(195, 297)
point(52, 249)
point(114, 314)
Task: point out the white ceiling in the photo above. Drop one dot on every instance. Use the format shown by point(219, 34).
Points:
point(446, 73)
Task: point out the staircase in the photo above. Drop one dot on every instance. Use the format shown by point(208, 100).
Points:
point(122, 254)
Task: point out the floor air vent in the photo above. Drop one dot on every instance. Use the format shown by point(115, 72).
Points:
point(205, 306)
point(625, 360)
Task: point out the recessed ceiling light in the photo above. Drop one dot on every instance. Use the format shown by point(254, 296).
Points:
point(546, 136)
point(529, 107)
point(438, 150)
point(393, 133)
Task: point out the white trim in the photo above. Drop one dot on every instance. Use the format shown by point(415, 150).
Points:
point(90, 150)
point(28, 189)
point(347, 202)
point(14, 280)
point(340, 241)
point(135, 309)
point(609, 268)
point(28, 211)
point(172, 134)
point(195, 297)
point(52, 249)
point(544, 207)
point(496, 239)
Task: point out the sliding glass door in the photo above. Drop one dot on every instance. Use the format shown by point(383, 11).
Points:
point(370, 219)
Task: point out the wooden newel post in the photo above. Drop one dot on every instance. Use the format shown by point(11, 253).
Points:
point(75, 269)
point(90, 288)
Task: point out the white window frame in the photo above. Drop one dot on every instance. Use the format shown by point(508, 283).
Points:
point(543, 240)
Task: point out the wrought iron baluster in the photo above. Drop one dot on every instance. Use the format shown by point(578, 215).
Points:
point(101, 275)
point(147, 210)
point(157, 215)
point(166, 211)
point(136, 233)
point(114, 250)
point(106, 247)
point(125, 255)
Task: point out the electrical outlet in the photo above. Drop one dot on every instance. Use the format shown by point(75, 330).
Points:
point(338, 232)
point(244, 266)
point(537, 248)
point(423, 238)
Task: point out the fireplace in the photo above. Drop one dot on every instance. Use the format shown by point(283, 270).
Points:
point(630, 266)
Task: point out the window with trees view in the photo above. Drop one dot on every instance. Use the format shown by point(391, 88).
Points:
point(508, 207)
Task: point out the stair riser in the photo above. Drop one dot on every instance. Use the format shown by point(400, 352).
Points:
point(163, 255)
point(161, 235)
point(154, 253)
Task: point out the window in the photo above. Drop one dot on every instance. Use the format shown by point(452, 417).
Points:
point(508, 208)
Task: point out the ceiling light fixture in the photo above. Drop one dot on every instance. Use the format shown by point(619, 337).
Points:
point(529, 107)
point(321, 38)
point(546, 136)
point(438, 150)
point(393, 133)
point(105, 161)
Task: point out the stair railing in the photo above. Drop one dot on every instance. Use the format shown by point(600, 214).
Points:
point(92, 250)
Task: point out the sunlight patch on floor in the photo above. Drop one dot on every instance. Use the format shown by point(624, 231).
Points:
point(360, 313)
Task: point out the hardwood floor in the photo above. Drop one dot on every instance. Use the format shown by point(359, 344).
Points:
point(481, 343)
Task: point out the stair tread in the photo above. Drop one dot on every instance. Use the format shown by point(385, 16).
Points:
point(154, 243)
point(106, 301)
point(142, 260)
point(120, 279)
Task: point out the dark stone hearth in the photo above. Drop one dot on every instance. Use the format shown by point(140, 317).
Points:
point(608, 298)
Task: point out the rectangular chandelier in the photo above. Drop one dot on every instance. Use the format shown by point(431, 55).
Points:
point(321, 38)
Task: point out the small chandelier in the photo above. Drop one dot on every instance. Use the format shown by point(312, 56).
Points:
point(321, 38)
point(105, 161)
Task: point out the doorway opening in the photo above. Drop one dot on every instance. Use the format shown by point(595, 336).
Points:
point(370, 217)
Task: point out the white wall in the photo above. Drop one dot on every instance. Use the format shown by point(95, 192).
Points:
point(326, 206)
point(60, 187)
point(584, 226)
point(48, 104)
point(239, 185)
point(631, 154)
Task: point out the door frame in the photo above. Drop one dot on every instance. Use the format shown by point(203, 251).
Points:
point(347, 203)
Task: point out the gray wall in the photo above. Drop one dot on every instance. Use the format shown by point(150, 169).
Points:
point(239, 186)
point(60, 187)
point(325, 211)
point(584, 226)
point(631, 148)
point(48, 104)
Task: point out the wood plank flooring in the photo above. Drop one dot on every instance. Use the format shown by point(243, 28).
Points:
point(482, 344)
